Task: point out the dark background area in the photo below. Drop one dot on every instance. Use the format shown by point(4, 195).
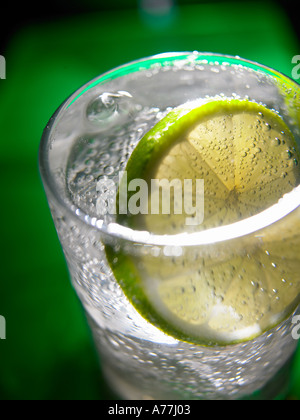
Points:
point(51, 49)
point(18, 15)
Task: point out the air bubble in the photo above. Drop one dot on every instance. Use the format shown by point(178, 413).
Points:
point(287, 154)
point(109, 170)
point(273, 265)
point(267, 126)
point(276, 142)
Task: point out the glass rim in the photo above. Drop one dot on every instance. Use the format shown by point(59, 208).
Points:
point(288, 203)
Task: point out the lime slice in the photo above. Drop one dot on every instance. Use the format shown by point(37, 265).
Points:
point(248, 160)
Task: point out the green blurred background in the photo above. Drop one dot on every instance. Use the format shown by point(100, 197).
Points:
point(50, 51)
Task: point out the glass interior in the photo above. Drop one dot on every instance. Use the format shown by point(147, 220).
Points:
point(117, 98)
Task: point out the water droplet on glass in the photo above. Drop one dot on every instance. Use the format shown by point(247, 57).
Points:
point(111, 108)
point(101, 108)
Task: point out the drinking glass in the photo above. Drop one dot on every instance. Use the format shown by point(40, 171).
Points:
point(83, 150)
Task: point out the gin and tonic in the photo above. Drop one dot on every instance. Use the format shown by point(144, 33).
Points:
point(173, 182)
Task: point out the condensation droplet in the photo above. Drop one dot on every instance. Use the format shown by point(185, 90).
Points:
point(109, 106)
point(101, 108)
